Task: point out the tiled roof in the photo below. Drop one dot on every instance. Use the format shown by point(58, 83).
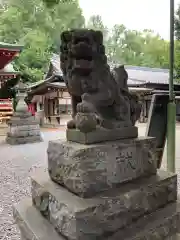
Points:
point(140, 75)
point(136, 75)
point(41, 82)
point(57, 84)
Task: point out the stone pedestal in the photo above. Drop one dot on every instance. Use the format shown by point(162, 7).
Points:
point(22, 127)
point(108, 190)
point(102, 183)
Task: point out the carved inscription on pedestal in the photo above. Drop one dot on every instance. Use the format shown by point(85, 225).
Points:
point(124, 165)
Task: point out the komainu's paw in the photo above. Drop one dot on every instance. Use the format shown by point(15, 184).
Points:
point(71, 124)
point(86, 122)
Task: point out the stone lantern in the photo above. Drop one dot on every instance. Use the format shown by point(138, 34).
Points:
point(22, 93)
point(23, 128)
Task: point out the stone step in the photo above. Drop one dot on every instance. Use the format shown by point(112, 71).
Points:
point(160, 225)
point(31, 223)
point(79, 218)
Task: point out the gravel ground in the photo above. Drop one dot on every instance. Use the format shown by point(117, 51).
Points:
point(16, 165)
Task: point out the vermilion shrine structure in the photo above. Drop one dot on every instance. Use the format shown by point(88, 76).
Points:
point(7, 53)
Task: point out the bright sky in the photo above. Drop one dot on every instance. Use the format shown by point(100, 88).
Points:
point(134, 14)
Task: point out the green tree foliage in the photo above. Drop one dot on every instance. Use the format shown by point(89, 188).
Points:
point(51, 3)
point(177, 59)
point(95, 22)
point(38, 28)
point(177, 43)
point(132, 47)
point(37, 25)
point(177, 23)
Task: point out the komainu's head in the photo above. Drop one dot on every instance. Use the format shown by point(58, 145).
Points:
point(79, 50)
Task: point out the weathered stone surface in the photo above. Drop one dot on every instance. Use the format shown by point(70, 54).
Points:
point(23, 140)
point(23, 129)
point(174, 237)
point(24, 133)
point(101, 135)
point(89, 169)
point(16, 121)
point(86, 219)
point(22, 115)
point(22, 122)
point(159, 225)
point(31, 224)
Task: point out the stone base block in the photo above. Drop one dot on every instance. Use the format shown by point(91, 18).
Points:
point(85, 219)
point(31, 224)
point(24, 134)
point(21, 119)
point(161, 225)
point(23, 140)
point(101, 135)
point(89, 169)
point(21, 115)
point(29, 127)
point(22, 122)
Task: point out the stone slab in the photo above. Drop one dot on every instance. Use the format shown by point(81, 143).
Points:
point(31, 224)
point(89, 169)
point(13, 118)
point(22, 114)
point(101, 135)
point(22, 122)
point(23, 140)
point(24, 133)
point(160, 225)
point(25, 128)
point(106, 213)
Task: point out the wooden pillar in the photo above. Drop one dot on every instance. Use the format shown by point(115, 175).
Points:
point(58, 110)
point(51, 107)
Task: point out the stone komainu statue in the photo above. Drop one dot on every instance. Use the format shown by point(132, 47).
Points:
point(100, 98)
